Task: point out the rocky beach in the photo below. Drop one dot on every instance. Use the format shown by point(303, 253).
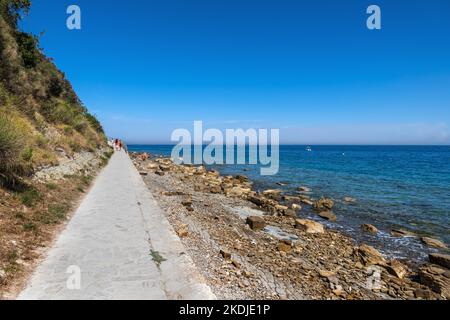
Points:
point(260, 245)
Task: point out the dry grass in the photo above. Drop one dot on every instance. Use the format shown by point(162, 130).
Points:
point(29, 221)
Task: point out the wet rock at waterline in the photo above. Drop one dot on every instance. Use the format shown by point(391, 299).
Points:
point(309, 226)
point(369, 228)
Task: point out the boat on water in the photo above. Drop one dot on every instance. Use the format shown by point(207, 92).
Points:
point(309, 149)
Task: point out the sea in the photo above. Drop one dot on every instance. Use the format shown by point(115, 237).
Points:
point(395, 187)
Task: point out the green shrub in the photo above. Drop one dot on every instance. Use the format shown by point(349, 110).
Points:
point(41, 141)
point(55, 213)
point(95, 124)
point(28, 49)
point(30, 197)
point(80, 124)
point(11, 10)
point(27, 154)
point(10, 148)
point(75, 146)
point(3, 95)
point(29, 226)
point(55, 87)
point(51, 186)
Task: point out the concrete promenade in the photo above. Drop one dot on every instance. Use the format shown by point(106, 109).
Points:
point(108, 249)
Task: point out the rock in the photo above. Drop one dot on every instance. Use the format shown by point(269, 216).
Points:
point(256, 200)
point(370, 256)
point(216, 190)
point(304, 189)
point(323, 204)
point(256, 223)
point(307, 201)
point(442, 260)
point(396, 268)
point(328, 215)
point(143, 173)
point(436, 278)
point(187, 203)
point(152, 166)
point(349, 200)
point(160, 173)
point(238, 192)
point(290, 213)
point(296, 207)
point(289, 198)
point(247, 274)
point(281, 208)
point(285, 246)
point(435, 243)
point(226, 255)
point(241, 178)
point(183, 231)
point(424, 294)
point(272, 194)
point(369, 228)
point(236, 264)
point(327, 274)
point(309, 226)
point(402, 233)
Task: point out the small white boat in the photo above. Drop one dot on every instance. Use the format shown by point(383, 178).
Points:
point(309, 149)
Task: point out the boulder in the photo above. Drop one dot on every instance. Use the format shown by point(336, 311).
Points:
point(290, 213)
point(259, 201)
point(402, 233)
point(187, 203)
point(370, 256)
point(397, 269)
point(226, 255)
point(425, 294)
point(309, 226)
point(215, 189)
point(349, 200)
point(152, 166)
point(436, 278)
point(281, 208)
point(369, 228)
point(272, 194)
point(256, 223)
point(183, 231)
point(235, 263)
point(285, 246)
point(143, 173)
point(307, 201)
point(327, 215)
point(435, 243)
point(241, 178)
point(288, 198)
point(296, 207)
point(323, 204)
point(160, 173)
point(239, 192)
point(304, 189)
point(440, 259)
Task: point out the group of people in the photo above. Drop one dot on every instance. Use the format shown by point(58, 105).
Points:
point(118, 145)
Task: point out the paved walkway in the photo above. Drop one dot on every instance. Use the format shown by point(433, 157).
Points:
point(110, 240)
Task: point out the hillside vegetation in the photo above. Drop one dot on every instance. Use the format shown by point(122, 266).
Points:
point(42, 124)
point(39, 110)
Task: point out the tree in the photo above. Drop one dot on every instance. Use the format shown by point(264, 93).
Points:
point(12, 10)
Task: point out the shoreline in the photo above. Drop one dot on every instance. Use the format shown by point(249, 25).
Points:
point(250, 245)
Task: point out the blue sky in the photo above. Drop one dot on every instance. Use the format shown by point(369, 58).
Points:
point(310, 68)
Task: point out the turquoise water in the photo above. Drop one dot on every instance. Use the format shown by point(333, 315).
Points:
point(395, 187)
